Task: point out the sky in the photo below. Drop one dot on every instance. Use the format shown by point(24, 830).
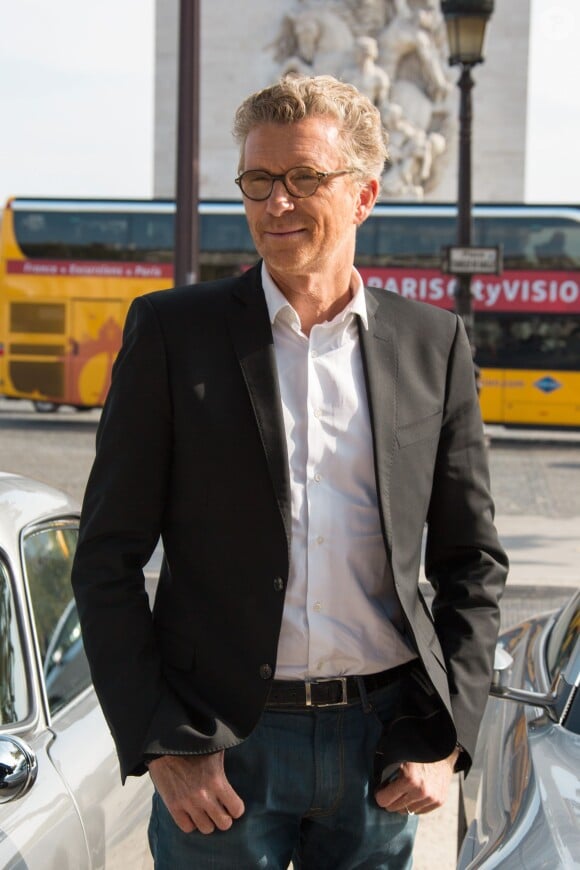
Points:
point(76, 99)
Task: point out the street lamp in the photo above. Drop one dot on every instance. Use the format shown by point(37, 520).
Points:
point(466, 21)
point(186, 255)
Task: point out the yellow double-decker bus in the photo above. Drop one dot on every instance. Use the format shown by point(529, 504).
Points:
point(68, 272)
point(70, 268)
point(527, 319)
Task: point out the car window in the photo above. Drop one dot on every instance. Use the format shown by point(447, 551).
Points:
point(48, 556)
point(13, 692)
point(563, 637)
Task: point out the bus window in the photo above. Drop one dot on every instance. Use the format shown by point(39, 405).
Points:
point(549, 243)
point(66, 235)
point(152, 237)
point(404, 240)
point(525, 341)
point(226, 234)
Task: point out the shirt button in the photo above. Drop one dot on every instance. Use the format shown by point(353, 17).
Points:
point(317, 477)
point(265, 672)
point(320, 539)
point(318, 413)
point(317, 606)
point(278, 584)
point(313, 354)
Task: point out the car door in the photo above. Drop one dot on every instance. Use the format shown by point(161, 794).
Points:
point(114, 818)
point(39, 823)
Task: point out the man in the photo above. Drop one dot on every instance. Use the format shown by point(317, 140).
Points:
point(288, 434)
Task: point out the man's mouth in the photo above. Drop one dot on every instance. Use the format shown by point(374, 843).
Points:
point(283, 232)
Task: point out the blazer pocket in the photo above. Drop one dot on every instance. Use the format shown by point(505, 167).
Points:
point(176, 651)
point(419, 430)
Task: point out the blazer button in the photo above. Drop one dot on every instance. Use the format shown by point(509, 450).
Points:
point(266, 672)
point(278, 584)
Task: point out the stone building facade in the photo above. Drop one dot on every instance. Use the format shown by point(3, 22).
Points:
point(394, 50)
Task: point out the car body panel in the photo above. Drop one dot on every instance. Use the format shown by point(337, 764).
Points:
point(112, 814)
point(526, 770)
point(43, 828)
point(75, 814)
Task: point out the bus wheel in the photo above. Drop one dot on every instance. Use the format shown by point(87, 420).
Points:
point(45, 407)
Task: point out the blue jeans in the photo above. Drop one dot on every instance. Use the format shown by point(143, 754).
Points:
point(306, 780)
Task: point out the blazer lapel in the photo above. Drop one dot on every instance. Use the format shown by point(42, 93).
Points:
point(254, 345)
point(380, 360)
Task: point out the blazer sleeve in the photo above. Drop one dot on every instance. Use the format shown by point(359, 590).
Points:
point(464, 560)
point(120, 526)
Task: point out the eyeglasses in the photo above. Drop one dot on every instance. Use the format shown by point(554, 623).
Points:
point(302, 181)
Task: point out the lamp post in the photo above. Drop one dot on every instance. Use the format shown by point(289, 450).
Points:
point(466, 21)
point(186, 256)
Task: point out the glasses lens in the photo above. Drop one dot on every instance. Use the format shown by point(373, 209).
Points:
point(256, 184)
point(302, 181)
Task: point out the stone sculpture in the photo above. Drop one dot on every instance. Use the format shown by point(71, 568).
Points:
point(395, 52)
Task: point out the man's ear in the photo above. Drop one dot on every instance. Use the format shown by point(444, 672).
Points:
point(367, 197)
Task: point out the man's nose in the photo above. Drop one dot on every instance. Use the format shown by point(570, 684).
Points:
point(279, 200)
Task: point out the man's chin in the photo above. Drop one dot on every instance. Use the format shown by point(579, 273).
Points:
point(287, 261)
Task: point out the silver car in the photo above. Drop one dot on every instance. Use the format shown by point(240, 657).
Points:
point(522, 801)
point(61, 800)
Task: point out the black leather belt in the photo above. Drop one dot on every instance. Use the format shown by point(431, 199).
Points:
point(332, 691)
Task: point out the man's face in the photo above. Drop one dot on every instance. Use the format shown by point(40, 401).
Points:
point(316, 234)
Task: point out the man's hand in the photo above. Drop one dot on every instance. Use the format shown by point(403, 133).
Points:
point(196, 792)
point(418, 788)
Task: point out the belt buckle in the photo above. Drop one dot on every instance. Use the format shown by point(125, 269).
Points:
point(343, 701)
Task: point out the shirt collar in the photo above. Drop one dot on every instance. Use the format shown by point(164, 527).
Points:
point(277, 302)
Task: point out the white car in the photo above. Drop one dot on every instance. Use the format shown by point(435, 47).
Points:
point(522, 799)
point(62, 804)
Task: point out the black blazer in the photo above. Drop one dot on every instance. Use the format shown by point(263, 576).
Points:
point(191, 447)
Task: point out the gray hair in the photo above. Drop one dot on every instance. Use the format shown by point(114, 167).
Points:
point(295, 97)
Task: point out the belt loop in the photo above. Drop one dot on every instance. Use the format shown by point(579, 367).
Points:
point(362, 690)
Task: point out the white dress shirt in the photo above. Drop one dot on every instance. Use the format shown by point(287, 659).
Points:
point(336, 611)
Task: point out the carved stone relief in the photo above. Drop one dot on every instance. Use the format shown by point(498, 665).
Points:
point(394, 51)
